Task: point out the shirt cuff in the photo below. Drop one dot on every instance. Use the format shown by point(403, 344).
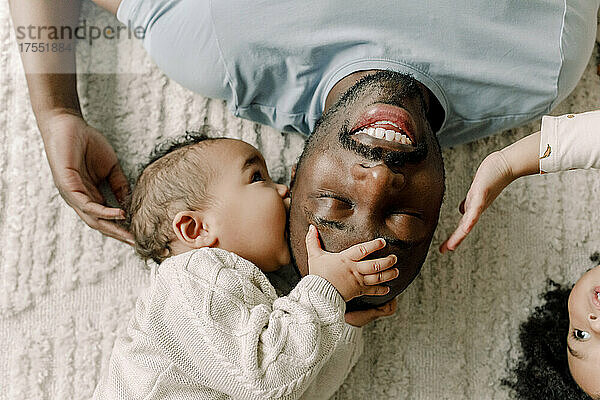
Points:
point(320, 285)
point(571, 141)
point(548, 145)
point(351, 334)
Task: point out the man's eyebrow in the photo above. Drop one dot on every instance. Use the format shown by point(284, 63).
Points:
point(252, 160)
point(574, 353)
point(322, 222)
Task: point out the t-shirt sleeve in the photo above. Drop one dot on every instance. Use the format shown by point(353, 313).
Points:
point(221, 324)
point(570, 141)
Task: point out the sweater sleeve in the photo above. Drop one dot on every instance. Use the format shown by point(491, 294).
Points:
point(217, 318)
point(336, 369)
point(570, 141)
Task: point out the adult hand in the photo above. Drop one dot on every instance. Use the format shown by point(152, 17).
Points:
point(345, 270)
point(80, 158)
point(492, 176)
point(363, 317)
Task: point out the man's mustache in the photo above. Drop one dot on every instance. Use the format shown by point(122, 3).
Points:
point(392, 158)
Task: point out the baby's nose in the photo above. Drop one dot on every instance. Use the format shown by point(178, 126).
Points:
point(283, 190)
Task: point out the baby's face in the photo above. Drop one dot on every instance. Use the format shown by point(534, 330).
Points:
point(584, 332)
point(251, 209)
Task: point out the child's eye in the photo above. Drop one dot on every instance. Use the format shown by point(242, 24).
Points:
point(581, 335)
point(257, 177)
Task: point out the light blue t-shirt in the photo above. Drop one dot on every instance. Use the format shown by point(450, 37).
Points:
point(492, 65)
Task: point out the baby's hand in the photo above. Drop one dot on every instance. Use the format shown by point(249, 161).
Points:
point(344, 270)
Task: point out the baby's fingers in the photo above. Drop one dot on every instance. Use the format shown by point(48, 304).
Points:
point(470, 217)
point(456, 238)
point(374, 266)
point(380, 277)
point(375, 290)
point(361, 250)
point(313, 247)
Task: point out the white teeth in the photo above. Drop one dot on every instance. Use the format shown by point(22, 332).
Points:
point(386, 123)
point(598, 295)
point(386, 134)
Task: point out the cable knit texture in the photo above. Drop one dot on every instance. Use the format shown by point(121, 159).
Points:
point(67, 293)
point(211, 324)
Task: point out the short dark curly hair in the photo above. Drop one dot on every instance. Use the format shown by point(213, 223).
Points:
point(176, 178)
point(542, 370)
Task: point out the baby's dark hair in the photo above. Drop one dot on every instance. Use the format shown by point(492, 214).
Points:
point(542, 370)
point(176, 178)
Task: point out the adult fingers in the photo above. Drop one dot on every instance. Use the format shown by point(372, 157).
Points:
point(388, 308)
point(80, 201)
point(313, 247)
point(374, 266)
point(456, 238)
point(363, 317)
point(108, 228)
point(115, 231)
point(361, 250)
point(118, 183)
point(472, 212)
point(381, 276)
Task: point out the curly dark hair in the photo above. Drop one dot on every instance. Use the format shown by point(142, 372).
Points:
point(174, 179)
point(542, 371)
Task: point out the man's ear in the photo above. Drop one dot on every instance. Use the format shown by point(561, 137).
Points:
point(194, 230)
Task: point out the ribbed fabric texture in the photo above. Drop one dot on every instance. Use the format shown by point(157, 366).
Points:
point(67, 293)
point(210, 326)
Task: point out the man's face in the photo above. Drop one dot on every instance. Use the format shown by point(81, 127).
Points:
point(355, 186)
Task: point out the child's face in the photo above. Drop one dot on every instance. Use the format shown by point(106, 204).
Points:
point(250, 207)
point(584, 332)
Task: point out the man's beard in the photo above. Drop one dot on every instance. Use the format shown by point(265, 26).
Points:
point(392, 158)
point(398, 88)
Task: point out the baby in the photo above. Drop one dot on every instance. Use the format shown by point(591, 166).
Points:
point(211, 326)
point(567, 142)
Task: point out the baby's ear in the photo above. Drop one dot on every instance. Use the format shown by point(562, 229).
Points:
point(192, 230)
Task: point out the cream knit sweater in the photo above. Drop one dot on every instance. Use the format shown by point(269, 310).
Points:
point(210, 326)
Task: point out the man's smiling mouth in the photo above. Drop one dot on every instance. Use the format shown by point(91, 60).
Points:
point(386, 130)
point(386, 126)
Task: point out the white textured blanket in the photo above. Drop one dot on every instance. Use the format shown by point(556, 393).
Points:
point(66, 292)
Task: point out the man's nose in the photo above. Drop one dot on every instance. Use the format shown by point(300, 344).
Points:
point(377, 179)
